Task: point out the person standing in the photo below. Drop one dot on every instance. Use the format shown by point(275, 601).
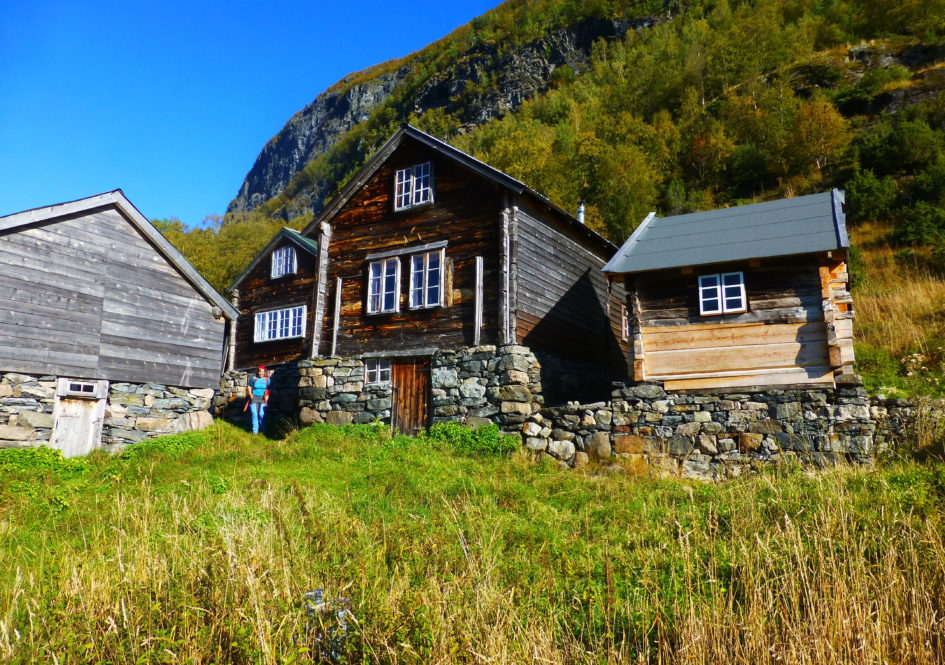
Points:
point(257, 397)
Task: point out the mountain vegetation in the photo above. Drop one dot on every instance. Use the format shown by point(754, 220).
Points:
point(203, 548)
point(702, 104)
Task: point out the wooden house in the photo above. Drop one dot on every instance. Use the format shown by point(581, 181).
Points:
point(93, 295)
point(754, 295)
point(426, 249)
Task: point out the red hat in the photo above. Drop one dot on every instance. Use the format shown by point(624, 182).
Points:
point(262, 367)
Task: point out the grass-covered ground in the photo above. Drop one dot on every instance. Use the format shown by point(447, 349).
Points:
point(199, 548)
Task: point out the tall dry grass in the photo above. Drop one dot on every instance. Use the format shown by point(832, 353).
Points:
point(451, 559)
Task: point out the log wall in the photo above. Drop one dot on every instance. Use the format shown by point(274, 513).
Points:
point(781, 339)
point(258, 292)
point(562, 301)
point(465, 213)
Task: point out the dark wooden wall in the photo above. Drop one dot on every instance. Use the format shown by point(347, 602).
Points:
point(781, 339)
point(258, 291)
point(466, 213)
point(87, 296)
point(563, 303)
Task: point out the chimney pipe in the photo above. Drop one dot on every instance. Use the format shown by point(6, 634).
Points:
point(580, 214)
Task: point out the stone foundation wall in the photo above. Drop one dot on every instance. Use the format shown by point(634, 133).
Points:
point(133, 412)
point(639, 428)
point(714, 436)
point(477, 385)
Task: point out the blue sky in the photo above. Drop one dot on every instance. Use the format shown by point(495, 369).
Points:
point(172, 101)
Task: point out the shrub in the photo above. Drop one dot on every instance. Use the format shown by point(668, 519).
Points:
point(173, 444)
point(487, 439)
point(869, 197)
point(42, 459)
point(921, 223)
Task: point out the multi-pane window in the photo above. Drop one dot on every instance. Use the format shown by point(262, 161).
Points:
point(280, 324)
point(283, 262)
point(426, 279)
point(377, 370)
point(383, 286)
point(723, 293)
point(413, 186)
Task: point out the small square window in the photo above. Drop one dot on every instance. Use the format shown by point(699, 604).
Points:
point(413, 186)
point(283, 262)
point(377, 370)
point(722, 293)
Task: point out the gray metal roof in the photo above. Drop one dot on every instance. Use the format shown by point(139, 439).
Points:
point(784, 227)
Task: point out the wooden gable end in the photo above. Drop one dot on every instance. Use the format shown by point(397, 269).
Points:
point(464, 213)
point(260, 292)
point(88, 296)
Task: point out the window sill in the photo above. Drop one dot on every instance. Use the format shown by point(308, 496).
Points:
point(418, 206)
point(278, 339)
point(721, 314)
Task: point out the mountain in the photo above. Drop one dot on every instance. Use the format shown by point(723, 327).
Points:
point(483, 82)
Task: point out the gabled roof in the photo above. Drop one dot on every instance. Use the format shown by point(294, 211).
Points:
point(285, 233)
point(117, 199)
point(801, 225)
point(481, 168)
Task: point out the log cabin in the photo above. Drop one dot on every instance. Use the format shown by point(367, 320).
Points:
point(754, 295)
point(426, 249)
point(108, 333)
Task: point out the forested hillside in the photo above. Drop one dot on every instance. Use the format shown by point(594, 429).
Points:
point(698, 105)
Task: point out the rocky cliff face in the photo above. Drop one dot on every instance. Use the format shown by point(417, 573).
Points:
point(485, 82)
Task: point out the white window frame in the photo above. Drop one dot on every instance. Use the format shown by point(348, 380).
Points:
point(382, 280)
point(413, 186)
point(424, 291)
point(718, 291)
point(377, 371)
point(624, 323)
point(275, 324)
point(284, 262)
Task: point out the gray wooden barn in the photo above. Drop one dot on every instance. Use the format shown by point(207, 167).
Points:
point(107, 333)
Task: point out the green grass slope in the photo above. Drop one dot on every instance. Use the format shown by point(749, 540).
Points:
point(450, 549)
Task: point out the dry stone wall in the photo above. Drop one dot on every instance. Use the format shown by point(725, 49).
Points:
point(133, 412)
point(641, 428)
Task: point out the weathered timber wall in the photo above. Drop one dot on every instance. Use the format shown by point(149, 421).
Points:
point(133, 412)
point(87, 296)
point(563, 304)
point(782, 339)
point(259, 292)
point(465, 213)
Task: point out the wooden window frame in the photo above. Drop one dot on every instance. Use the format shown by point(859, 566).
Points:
point(719, 294)
point(382, 280)
point(424, 289)
point(375, 369)
point(410, 184)
point(284, 262)
point(624, 323)
point(285, 319)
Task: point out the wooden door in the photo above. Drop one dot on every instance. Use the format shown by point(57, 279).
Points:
point(78, 416)
point(410, 382)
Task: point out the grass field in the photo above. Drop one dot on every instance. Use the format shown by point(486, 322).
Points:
point(199, 548)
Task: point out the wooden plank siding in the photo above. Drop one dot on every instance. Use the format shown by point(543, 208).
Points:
point(88, 296)
point(465, 213)
point(563, 302)
point(260, 292)
point(781, 339)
